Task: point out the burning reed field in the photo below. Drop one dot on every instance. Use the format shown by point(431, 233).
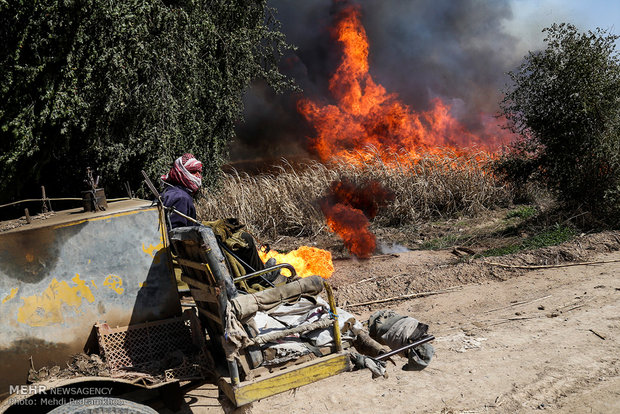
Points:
point(289, 202)
point(379, 162)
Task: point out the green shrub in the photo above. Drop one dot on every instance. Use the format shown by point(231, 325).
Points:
point(553, 236)
point(124, 85)
point(522, 212)
point(564, 102)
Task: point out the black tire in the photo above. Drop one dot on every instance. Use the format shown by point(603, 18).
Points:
point(103, 405)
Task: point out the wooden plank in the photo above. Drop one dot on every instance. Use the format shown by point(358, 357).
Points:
point(201, 286)
point(194, 265)
point(203, 296)
point(195, 283)
point(303, 374)
point(202, 268)
point(210, 315)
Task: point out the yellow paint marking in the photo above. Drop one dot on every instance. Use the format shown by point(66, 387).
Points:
point(114, 282)
point(142, 284)
point(93, 282)
point(154, 250)
point(10, 295)
point(88, 261)
point(47, 308)
point(279, 381)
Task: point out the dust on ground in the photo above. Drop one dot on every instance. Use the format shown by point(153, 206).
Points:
point(390, 275)
point(508, 339)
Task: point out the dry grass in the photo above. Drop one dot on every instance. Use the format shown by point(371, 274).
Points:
point(434, 186)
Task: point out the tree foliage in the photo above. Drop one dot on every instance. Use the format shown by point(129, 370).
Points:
point(565, 103)
point(125, 85)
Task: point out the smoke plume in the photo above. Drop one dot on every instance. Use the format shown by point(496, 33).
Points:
point(420, 49)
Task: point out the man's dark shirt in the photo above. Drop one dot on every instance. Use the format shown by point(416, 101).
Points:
point(179, 198)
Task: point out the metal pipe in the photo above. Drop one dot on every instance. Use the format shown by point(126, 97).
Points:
point(270, 269)
point(275, 335)
point(406, 347)
point(40, 199)
point(253, 271)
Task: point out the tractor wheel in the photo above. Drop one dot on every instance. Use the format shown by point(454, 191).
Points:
point(103, 405)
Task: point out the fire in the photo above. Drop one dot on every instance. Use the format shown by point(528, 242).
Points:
point(367, 115)
point(348, 209)
point(352, 227)
point(306, 260)
point(364, 116)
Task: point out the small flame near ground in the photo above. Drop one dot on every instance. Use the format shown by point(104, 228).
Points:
point(348, 209)
point(306, 260)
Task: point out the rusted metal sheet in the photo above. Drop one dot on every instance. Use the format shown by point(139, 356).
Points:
point(61, 276)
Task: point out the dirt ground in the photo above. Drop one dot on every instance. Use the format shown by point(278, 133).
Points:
point(509, 340)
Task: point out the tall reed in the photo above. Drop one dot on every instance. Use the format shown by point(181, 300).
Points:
point(433, 185)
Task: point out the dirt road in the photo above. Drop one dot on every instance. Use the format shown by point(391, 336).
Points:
point(545, 340)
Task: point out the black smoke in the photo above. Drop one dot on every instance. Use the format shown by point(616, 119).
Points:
point(420, 49)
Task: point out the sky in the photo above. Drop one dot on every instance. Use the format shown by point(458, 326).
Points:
point(531, 16)
point(456, 50)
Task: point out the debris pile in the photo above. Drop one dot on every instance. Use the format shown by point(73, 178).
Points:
point(79, 365)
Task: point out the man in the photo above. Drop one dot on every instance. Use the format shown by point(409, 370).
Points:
point(183, 182)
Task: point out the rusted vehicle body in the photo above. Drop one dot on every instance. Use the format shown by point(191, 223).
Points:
point(103, 283)
point(61, 276)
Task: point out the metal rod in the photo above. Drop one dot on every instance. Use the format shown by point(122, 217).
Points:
point(270, 269)
point(233, 370)
point(44, 208)
point(223, 246)
point(406, 347)
point(253, 272)
point(128, 188)
point(29, 200)
point(275, 335)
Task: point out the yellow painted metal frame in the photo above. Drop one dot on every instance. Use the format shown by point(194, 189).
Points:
point(284, 380)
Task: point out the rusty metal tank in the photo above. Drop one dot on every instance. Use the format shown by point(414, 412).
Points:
point(60, 276)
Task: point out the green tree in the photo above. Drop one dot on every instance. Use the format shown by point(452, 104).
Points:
point(125, 85)
point(565, 103)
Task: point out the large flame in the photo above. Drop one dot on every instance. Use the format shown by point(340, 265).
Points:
point(306, 260)
point(367, 115)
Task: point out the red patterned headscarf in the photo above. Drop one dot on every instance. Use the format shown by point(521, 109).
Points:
point(182, 173)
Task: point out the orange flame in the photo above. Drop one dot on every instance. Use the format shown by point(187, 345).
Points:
point(352, 226)
point(367, 115)
point(348, 208)
point(306, 260)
